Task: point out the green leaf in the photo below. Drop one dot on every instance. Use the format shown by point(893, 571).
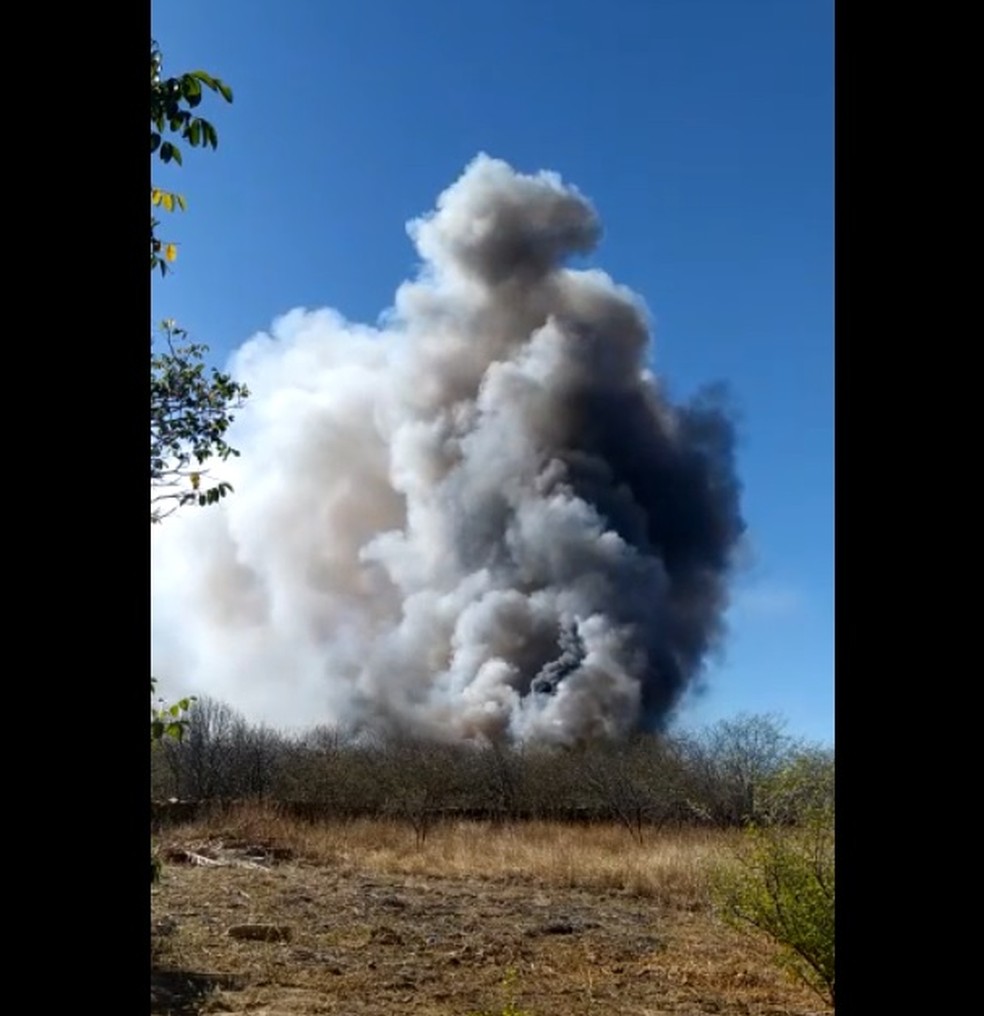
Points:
point(191, 89)
point(195, 132)
point(170, 151)
point(225, 90)
point(155, 141)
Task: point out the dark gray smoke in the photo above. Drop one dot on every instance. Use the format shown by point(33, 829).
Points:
point(481, 519)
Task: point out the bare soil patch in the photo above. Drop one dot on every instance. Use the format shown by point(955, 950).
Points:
point(375, 933)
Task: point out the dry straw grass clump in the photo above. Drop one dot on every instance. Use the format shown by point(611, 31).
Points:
point(669, 866)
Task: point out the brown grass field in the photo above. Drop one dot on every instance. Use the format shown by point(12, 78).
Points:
point(532, 919)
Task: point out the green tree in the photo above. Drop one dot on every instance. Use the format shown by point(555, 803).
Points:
point(191, 408)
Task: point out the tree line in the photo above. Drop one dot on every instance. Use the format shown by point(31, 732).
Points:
point(735, 773)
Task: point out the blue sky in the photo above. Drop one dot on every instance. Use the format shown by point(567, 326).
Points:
point(702, 131)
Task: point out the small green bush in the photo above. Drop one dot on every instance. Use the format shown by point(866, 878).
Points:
point(782, 884)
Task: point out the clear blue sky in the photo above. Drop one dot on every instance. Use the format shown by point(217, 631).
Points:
point(702, 131)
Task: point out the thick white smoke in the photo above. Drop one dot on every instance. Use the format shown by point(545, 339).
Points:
point(481, 519)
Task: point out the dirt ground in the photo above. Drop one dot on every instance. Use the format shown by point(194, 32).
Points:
point(371, 944)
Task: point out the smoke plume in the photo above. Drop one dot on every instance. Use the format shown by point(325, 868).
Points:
point(481, 519)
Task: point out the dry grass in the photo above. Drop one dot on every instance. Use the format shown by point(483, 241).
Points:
point(590, 920)
point(668, 866)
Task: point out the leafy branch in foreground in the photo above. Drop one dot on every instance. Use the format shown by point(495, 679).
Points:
point(189, 408)
point(190, 413)
point(165, 721)
point(168, 721)
point(171, 103)
point(782, 882)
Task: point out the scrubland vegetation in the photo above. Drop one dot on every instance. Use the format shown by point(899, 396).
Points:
point(661, 874)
